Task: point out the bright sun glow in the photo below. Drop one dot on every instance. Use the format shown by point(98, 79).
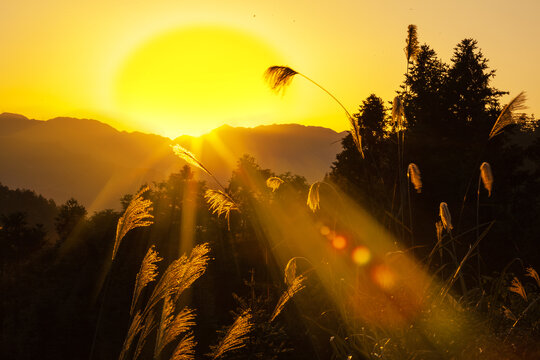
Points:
point(190, 81)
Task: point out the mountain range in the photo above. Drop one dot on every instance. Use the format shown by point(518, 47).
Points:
point(96, 164)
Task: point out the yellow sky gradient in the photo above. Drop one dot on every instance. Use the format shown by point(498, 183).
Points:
point(91, 59)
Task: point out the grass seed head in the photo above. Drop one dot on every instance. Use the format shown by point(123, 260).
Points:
point(446, 218)
point(487, 176)
point(414, 175)
point(274, 183)
point(313, 200)
point(279, 77)
point(136, 215)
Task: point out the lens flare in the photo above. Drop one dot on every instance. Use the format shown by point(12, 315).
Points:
point(383, 276)
point(361, 255)
point(325, 230)
point(339, 242)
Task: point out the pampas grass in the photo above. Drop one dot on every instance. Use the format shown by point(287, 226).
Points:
point(279, 77)
point(185, 350)
point(508, 115)
point(274, 183)
point(172, 326)
point(398, 113)
point(413, 173)
point(147, 274)
point(134, 328)
point(149, 326)
point(487, 176)
point(136, 215)
point(411, 48)
point(445, 216)
point(296, 285)
point(290, 272)
point(220, 203)
point(180, 274)
point(236, 336)
point(313, 200)
point(518, 288)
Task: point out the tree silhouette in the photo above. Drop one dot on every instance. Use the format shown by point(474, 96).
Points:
point(70, 214)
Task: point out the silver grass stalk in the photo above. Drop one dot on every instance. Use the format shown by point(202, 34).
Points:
point(189, 157)
point(220, 203)
point(313, 200)
point(274, 183)
point(172, 326)
point(518, 288)
point(180, 274)
point(134, 328)
point(290, 271)
point(446, 218)
point(136, 215)
point(357, 138)
point(149, 326)
point(487, 176)
point(533, 274)
point(147, 274)
point(279, 77)
point(413, 173)
point(296, 286)
point(236, 336)
point(508, 114)
point(411, 49)
point(398, 113)
point(185, 350)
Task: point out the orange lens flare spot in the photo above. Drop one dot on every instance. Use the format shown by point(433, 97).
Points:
point(361, 255)
point(325, 230)
point(339, 242)
point(383, 276)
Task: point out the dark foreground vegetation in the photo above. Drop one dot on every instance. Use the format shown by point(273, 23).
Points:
point(387, 283)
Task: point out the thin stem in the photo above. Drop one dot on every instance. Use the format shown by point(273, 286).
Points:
point(329, 94)
point(477, 230)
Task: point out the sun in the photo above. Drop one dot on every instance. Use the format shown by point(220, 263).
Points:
point(190, 81)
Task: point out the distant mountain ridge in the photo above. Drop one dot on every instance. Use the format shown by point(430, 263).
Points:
point(96, 164)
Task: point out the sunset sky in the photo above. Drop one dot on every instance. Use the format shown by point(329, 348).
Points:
point(176, 67)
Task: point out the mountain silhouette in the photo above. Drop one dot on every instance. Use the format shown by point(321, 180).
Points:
point(97, 164)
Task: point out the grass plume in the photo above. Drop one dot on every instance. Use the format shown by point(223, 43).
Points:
point(518, 288)
point(236, 336)
point(181, 274)
point(413, 173)
point(220, 203)
point(279, 77)
point(147, 274)
point(185, 350)
point(149, 326)
point(411, 49)
point(487, 176)
point(189, 157)
point(313, 200)
point(274, 183)
point(508, 114)
point(296, 286)
point(446, 218)
point(398, 113)
point(134, 328)
point(136, 215)
point(172, 326)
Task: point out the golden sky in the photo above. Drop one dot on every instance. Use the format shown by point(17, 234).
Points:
point(185, 67)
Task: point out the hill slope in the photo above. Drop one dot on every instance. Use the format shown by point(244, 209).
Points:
point(96, 164)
